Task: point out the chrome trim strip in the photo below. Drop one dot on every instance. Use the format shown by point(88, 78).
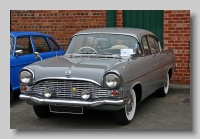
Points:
point(69, 102)
point(68, 78)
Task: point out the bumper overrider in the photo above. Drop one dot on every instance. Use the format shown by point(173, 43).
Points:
point(70, 102)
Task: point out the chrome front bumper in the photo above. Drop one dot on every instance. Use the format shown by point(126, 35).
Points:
point(69, 102)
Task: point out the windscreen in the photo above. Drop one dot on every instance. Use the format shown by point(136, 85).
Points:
point(123, 45)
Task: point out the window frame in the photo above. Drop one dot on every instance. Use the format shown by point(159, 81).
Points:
point(12, 44)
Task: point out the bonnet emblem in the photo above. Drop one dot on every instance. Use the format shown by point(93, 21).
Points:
point(68, 72)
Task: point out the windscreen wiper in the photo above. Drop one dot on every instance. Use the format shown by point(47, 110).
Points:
point(105, 53)
point(87, 52)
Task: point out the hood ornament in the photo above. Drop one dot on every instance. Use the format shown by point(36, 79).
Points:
point(68, 72)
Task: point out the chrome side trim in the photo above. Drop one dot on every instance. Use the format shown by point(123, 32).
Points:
point(69, 78)
point(69, 102)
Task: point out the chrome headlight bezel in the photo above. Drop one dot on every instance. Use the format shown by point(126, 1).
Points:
point(26, 76)
point(109, 77)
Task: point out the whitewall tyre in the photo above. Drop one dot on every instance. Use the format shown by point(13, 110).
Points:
point(162, 92)
point(125, 115)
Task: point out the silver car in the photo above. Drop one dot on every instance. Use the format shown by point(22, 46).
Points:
point(104, 69)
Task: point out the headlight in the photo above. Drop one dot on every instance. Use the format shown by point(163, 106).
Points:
point(112, 80)
point(25, 77)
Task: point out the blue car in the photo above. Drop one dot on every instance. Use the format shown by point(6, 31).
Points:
point(24, 50)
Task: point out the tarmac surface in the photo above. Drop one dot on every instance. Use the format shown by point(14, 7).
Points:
point(170, 113)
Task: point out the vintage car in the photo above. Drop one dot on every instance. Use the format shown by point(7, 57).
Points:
point(104, 69)
point(23, 46)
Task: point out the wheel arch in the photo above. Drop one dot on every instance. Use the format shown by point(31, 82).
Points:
point(170, 73)
point(138, 92)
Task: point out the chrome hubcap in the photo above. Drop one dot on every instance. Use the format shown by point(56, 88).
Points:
point(129, 106)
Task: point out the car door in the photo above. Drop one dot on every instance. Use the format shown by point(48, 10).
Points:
point(147, 68)
point(57, 50)
point(21, 60)
point(42, 46)
point(157, 62)
point(161, 63)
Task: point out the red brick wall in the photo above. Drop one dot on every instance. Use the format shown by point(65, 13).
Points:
point(61, 24)
point(177, 35)
point(119, 18)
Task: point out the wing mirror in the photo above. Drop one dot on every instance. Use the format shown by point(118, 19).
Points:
point(37, 55)
point(134, 55)
point(18, 52)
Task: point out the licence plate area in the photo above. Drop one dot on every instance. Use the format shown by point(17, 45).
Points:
point(66, 109)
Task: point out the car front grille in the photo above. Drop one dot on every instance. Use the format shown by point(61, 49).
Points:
point(62, 88)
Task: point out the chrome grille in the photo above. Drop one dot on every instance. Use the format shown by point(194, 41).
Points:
point(62, 88)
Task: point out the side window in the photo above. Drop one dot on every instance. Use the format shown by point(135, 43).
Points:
point(24, 44)
point(153, 45)
point(54, 46)
point(145, 45)
point(41, 45)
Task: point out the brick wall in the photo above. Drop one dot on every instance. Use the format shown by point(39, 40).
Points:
point(177, 35)
point(62, 24)
point(119, 18)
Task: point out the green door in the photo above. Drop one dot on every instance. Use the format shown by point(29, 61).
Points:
point(151, 20)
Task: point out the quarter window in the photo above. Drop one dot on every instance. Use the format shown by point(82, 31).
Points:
point(41, 44)
point(24, 44)
point(53, 45)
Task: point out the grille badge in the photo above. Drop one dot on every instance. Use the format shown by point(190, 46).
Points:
point(60, 89)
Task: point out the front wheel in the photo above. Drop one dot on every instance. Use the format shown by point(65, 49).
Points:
point(162, 92)
point(125, 115)
point(42, 111)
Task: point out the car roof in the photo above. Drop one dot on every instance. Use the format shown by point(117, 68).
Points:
point(137, 32)
point(20, 33)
